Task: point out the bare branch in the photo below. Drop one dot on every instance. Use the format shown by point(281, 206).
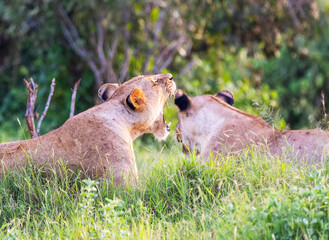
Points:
point(72, 36)
point(167, 54)
point(168, 60)
point(157, 30)
point(187, 68)
point(67, 21)
point(125, 65)
point(166, 51)
point(126, 36)
point(52, 88)
point(300, 8)
point(31, 22)
point(76, 85)
point(148, 31)
point(159, 24)
point(138, 48)
point(111, 75)
point(29, 114)
point(323, 106)
point(100, 45)
point(70, 31)
point(80, 51)
point(114, 48)
point(292, 12)
point(102, 57)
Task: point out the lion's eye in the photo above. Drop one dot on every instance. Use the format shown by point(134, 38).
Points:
point(155, 82)
point(129, 103)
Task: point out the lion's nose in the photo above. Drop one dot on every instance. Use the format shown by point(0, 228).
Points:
point(163, 76)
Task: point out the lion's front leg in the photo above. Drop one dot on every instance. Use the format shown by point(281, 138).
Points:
point(121, 173)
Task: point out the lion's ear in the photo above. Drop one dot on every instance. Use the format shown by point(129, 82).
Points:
point(182, 100)
point(136, 100)
point(107, 90)
point(226, 95)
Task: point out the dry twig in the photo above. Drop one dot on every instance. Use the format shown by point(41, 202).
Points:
point(187, 68)
point(76, 85)
point(156, 33)
point(102, 59)
point(52, 87)
point(29, 114)
point(72, 36)
point(323, 106)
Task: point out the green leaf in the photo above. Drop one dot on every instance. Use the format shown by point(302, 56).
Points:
point(155, 14)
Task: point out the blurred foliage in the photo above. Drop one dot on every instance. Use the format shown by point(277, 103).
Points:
point(299, 75)
point(273, 55)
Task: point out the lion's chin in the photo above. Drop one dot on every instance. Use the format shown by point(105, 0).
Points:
point(163, 135)
point(163, 131)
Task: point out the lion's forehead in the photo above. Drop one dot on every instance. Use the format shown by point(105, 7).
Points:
point(202, 100)
point(144, 82)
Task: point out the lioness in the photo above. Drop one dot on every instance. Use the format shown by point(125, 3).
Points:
point(209, 123)
point(101, 138)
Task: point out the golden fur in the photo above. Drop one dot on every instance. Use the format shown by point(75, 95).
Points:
point(100, 139)
point(208, 124)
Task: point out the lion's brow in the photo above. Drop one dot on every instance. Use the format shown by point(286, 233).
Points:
point(138, 77)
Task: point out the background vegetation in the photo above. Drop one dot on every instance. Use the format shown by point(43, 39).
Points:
point(274, 56)
point(269, 53)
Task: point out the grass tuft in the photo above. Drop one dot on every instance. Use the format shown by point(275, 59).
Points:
point(250, 196)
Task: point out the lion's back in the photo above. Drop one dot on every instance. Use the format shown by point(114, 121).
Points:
point(310, 144)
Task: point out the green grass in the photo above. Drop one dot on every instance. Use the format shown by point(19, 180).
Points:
point(244, 197)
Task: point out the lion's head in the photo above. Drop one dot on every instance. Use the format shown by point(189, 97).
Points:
point(141, 102)
point(197, 116)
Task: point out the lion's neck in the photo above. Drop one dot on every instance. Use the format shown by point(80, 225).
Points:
point(241, 123)
point(235, 130)
point(108, 117)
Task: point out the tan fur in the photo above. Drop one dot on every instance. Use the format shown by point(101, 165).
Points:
point(106, 91)
point(209, 124)
point(100, 139)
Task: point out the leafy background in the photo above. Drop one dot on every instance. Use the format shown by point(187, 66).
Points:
point(273, 55)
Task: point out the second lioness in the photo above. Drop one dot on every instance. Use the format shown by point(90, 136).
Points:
point(209, 123)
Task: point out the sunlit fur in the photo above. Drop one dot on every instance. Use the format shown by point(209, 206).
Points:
point(209, 124)
point(100, 139)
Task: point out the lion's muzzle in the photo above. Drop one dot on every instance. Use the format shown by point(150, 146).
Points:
point(167, 81)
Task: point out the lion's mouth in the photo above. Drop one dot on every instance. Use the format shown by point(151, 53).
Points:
point(171, 89)
point(166, 124)
point(171, 86)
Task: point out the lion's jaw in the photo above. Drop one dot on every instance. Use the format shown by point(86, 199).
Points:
point(193, 134)
point(152, 120)
point(196, 123)
point(160, 128)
